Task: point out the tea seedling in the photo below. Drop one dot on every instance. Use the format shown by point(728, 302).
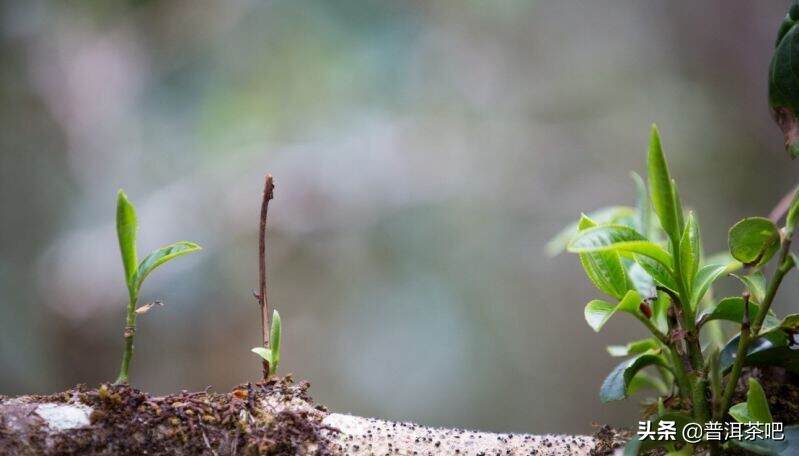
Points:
point(659, 274)
point(271, 353)
point(136, 272)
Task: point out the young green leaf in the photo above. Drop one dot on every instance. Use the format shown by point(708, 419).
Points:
point(274, 342)
point(126, 233)
point(755, 409)
point(598, 312)
point(704, 279)
point(604, 269)
point(613, 214)
point(633, 348)
point(659, 273)
point(690, 250)
point(615, 387)
point(678, 211)
point(755, 283)
point(660, 188)
point(161, 256)
point(617, 238)
point(271, 354)
point(264, 353)
point(754, 240)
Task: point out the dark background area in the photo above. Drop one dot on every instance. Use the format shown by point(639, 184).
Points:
point(424, 153)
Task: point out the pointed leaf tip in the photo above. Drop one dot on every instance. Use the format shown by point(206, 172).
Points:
point(126, 225)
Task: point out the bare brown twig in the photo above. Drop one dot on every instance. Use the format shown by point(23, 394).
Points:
point(782, 207)
point(269, 188)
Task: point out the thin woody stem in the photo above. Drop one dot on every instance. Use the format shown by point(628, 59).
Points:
point(269, 188)
point(782, 206)
point(748, 333)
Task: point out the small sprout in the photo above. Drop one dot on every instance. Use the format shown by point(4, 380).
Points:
point(136, 272)
point(756, 408)
point(271, 353)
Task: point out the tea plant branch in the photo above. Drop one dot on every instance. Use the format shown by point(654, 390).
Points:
point(751, 332)
point(677, 360)
point(269, 188)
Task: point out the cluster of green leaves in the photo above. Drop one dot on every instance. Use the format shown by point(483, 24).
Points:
point(271, 353)
point(136, 271)
point(650, 262)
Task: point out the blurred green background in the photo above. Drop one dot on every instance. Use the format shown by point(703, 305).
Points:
point(424, 152)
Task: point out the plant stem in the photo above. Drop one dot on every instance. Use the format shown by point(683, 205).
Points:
point(269, 188)
point(682, 302)
point(678, 371)
point(129, 334)
point(748, 334)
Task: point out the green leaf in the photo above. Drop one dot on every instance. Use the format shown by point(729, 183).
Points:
point(661, 274)
point(790, 323)
point(690, 250)
point(615, 387)
point(271, 354)
point(755, 283)
point(704, 279)
point(598, 312)
point(660, 189)
point(773, 348)
point(161, 256)
point(732, 309)
point(274, 342)
point(754, 240)
point(640, 280)
point(678, 211)
point(617, 238)
point(755, 409)
point(642, 205)
point(783, 84)
point(605, 268)
point(633, 348)
point(642, 380)
point(126, 233)
point(660, 307)
point(613, 214)
point(264, 353)
point(786, 447)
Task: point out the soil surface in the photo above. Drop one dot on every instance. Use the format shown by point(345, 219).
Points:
point(199, 423)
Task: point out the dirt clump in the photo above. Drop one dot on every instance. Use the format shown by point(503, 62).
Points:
point(252, 419)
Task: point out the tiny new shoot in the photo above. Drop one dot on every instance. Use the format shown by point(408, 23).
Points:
point(136, 272)
point(271, 353)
